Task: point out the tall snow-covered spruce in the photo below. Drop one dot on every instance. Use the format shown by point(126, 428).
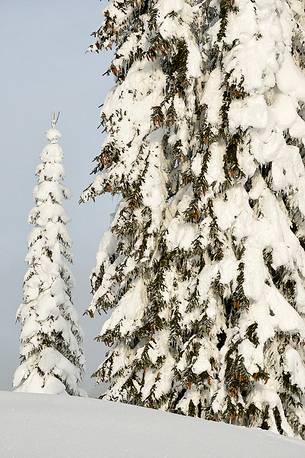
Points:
point(52, 359)
point(204, 264)
point(148, 119)
point(248, 300)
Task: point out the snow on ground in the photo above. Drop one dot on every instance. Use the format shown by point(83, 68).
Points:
point(35, 426)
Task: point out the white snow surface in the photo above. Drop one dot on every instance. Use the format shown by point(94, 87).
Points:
point(35, 426)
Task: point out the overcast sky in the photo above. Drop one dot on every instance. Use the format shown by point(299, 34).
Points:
point(44, 68)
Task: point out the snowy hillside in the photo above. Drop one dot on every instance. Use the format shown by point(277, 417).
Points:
point(35, 426)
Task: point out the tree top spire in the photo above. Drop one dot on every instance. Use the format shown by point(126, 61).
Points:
point(54, 119)
point(53, 135)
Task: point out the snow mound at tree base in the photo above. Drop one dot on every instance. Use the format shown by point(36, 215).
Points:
point(35, 426)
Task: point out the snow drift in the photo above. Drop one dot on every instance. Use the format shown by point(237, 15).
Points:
point(35, 426)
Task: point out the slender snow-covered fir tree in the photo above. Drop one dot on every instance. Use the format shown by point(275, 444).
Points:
point(204, 264)
point(51, 352)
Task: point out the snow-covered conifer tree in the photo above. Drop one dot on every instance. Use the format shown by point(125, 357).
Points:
point(251, 212)
point(51, 341)
point(148, 118)
point(204, 265)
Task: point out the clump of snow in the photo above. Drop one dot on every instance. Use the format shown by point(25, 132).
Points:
point(53, 135)
point(290, 79)
point(212, 97)
point(129, 311)
point(250, 112)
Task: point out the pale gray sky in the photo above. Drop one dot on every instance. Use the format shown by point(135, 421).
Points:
point(44, 68)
